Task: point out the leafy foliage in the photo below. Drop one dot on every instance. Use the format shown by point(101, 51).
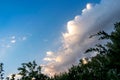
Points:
point(1, 71)
point(30, 70)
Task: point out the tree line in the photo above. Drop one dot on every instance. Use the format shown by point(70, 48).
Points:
point(104, 66)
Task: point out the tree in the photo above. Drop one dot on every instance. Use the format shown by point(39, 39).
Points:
point(1, 71)
point(12, 77)
point(7, 78)
point(23, 71)
point(109, 54)
point(30, 70)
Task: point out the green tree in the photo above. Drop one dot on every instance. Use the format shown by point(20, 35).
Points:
point(23, 71)
point(109, 54)
point(30, 70)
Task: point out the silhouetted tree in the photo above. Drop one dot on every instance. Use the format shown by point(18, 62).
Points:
point(12, 77)
point(108, 57)
point(1, 71)
point(30, 70)
point(7, 78)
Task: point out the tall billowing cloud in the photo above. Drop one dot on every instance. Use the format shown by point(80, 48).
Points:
point(76, 39)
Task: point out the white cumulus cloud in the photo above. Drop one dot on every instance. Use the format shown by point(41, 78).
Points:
point(76, 40)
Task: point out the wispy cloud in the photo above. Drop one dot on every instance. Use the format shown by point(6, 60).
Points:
point(75, 40)
point(13, 37)
point(13, 41)
point(8, 46)
point(24, 38)
point(10, 42)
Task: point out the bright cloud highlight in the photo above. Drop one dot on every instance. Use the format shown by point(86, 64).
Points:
point(13, 41)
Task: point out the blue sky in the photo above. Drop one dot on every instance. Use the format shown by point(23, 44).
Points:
point(30, 28)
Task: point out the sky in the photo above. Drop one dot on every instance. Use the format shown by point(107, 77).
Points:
point(52, 32)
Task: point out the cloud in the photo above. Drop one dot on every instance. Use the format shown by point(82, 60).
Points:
point(75, 40)
point(24, 38)
point(88, 7)
point(8, 46)
point(10, 42)
point(49, 53)
point(49, 56)
point(13, 37)
point(13, 41)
